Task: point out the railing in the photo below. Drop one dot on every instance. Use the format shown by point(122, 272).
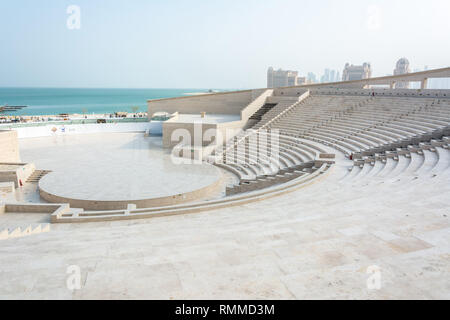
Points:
point(246, 134)
point(255, 105)
point(300, 99)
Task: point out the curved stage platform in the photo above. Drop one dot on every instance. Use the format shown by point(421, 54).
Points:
point(110, 171)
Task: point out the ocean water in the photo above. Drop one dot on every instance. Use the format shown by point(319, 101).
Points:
point(51, 101)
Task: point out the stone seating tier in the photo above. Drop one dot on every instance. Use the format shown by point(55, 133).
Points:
point(357, 126)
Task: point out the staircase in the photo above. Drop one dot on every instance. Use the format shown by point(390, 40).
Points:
point(282, 176)
point(262, 111)
point(37, 175)
point(18, 232)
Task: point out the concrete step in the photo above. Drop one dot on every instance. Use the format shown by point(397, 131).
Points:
point(37, 175)
point(23, 231)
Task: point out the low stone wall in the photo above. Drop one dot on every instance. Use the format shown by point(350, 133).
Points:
point(221, 131)
point(33, 208)
point(289, 91)
point(416, 93)
point(141, 203)
point(9, 146)
point(224, 131)
point(7, 193)
point(190, 131)
point(215, 103)
point(255, 105)
point(49, 130)
point(17, 175)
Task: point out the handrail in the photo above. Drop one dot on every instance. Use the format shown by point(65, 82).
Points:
point(300, 99)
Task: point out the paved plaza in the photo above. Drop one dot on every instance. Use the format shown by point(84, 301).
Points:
point(319, 244)
point(357, 207)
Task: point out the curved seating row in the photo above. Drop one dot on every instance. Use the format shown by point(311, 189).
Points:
point(425, 159)
point(261, 158)
point(357, 126)
point(368, 125)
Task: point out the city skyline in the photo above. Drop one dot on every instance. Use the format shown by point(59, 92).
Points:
point(329, 75)
point(182, 44)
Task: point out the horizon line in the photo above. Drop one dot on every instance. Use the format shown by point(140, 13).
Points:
point(133, 88)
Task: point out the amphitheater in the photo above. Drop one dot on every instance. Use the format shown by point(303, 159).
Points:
point(329, 191)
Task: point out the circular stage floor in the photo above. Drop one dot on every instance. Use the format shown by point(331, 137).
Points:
point(108, 171)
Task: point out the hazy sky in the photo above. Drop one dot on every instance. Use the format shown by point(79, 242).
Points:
point(212, 44)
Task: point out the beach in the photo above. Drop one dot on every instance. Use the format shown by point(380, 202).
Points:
point(4, 119)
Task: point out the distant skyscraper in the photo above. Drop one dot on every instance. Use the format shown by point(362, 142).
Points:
point(330, 76)
point(282, 78)
point(352, 72)
point(301, 81)
point(326, 76)
point(402, 67)
point(311, 78)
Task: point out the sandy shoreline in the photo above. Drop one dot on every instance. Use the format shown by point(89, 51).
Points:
point(74, 116)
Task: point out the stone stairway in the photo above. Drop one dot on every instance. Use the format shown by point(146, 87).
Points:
point(282, 176)
point(37, 175)
point(23, 231)
point(262, 111)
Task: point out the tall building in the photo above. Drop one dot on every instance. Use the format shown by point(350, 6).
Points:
point(330, 76)
point(282, 78)
point(326, 76)
point(311, 78)
point(301, 81)
point(402, 67)
point(352, 72)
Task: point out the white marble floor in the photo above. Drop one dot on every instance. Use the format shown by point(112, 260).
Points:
point(112, 166)
point(318, 242)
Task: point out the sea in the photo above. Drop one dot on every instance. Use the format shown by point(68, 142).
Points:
point(52, 101)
